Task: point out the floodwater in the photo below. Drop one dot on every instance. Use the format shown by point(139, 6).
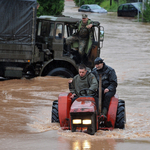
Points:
point(25, 105)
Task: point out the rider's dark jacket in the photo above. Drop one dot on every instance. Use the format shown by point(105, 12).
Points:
point(109, 78)
point(88, 81)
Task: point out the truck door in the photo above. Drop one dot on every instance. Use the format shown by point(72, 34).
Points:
point(45, 32)
point(58, 42)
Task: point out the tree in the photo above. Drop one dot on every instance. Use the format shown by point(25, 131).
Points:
point(82, 2)
point(50, 7)
point(146, 13)
point(110, 2)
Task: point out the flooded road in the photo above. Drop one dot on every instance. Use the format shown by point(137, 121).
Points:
point(25, 105)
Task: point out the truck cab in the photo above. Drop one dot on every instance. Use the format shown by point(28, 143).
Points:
point(51, 37)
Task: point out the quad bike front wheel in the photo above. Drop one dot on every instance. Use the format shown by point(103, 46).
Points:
point(55, 117)
point(121, 115)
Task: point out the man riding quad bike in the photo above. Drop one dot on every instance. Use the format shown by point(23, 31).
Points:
point(83, 113)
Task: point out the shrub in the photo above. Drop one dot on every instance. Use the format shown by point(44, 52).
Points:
point(146, 13)
point(50, 7)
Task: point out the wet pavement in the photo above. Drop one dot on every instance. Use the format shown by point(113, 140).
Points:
point(25, 105)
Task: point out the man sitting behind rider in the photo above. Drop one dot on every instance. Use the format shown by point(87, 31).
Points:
point(81, 81)
point(109, 82)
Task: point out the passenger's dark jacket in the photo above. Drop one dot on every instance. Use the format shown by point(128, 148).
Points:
point(109, 78)
point(88, 81)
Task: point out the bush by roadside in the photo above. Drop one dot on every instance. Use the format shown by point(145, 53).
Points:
point(146, 13)
point(113, 8)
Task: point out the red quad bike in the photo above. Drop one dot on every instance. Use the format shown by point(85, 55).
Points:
point(82, 115)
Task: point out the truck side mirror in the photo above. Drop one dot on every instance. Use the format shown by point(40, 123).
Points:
point(102, 35)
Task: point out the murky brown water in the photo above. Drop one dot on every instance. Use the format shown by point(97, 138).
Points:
point(25, 105)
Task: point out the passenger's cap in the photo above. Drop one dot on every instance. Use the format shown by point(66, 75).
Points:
point(98, 60)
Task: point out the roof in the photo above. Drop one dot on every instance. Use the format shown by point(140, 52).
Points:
point(16, 21)
point(137, 5)
point(89, 4)
point(66, 19)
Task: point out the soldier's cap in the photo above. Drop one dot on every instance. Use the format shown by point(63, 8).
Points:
point(98, 60)
point(84, 16)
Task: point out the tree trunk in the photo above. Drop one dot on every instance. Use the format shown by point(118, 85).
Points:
point(110, 2)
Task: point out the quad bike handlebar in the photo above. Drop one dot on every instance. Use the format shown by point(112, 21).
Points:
point(86, 92)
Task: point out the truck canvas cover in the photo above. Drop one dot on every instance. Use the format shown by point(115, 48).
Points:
point(17, 21)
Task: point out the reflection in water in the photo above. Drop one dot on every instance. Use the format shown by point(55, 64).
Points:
point(93, 144)
point(86, 145)
point(78, 145)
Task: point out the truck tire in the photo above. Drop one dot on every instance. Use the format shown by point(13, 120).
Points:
point(121, 116)
point(62, 72)
point(91, 130)
point(55, 117)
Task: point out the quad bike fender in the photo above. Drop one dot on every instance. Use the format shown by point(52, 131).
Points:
point(111, 115)
point(64, 104)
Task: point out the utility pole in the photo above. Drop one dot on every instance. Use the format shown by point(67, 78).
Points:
point(110, 2)
point(143, 7)
point(138, 12)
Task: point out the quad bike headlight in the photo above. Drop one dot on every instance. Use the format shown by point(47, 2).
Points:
point(87, 121)
point(76, 121)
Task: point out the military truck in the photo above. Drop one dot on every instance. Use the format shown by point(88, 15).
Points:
point(33, 46)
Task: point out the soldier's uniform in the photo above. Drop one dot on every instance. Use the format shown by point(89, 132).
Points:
point(82, 35)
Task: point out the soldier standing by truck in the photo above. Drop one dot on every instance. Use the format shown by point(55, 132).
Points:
point(84, 33)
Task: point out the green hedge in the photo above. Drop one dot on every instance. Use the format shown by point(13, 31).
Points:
point(146, 13)
point(50, 7)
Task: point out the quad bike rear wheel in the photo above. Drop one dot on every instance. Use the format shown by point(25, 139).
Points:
point(121, 116)
point(55, 117)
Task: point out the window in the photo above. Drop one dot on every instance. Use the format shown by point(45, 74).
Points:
point(87, 7)
point(83, 7)
point(51, 30)
point(39, 29)
point(125, 7)
point(59, 29)
point(120, 8)
point(45, 28)
point(131, 7)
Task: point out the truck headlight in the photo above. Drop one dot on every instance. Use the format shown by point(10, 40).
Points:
point(87, 121)
point(76, 121)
